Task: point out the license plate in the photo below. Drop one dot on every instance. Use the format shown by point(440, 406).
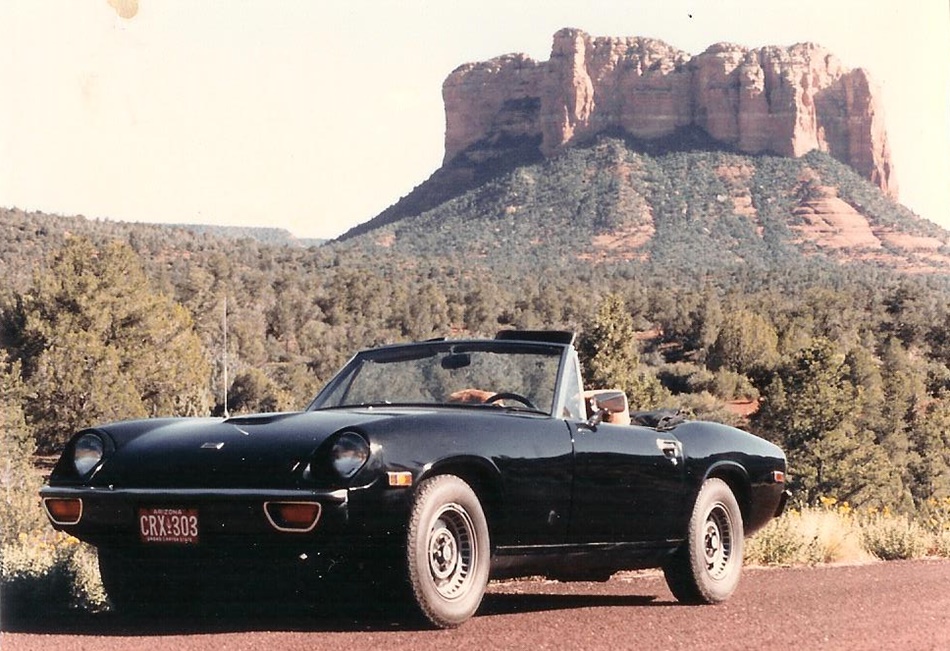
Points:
point(168, 526)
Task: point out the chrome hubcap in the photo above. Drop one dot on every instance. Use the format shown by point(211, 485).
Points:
point(443, 553)
point(717, 541)
point(451, 551)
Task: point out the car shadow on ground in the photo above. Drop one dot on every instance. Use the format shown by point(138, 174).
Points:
point(332, 616)
point(511, 604)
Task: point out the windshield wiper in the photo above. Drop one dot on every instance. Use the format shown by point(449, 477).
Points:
point(518, 408)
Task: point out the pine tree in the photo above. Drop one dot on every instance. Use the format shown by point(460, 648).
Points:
point(747, 344)
point(96, 343)
point(930, 441)
point(610, 356)
point(808, 409)
point(253, 392)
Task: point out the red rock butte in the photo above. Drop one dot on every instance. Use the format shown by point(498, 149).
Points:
point(779, 100)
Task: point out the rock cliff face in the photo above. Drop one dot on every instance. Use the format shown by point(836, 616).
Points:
point(780, 100)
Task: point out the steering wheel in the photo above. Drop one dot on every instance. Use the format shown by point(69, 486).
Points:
point(507, 395)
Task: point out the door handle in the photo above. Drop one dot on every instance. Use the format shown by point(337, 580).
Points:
point(672, 450)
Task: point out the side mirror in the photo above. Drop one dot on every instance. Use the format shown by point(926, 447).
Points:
point(608, 402)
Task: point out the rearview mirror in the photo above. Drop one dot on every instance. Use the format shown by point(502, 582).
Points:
point(456, 361)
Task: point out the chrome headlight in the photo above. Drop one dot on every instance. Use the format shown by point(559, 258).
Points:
point(349, 453)
point(88, 451)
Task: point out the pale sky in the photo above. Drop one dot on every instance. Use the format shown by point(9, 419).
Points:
point(315, 116)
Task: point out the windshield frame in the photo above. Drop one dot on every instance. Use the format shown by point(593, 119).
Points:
point(425, 349)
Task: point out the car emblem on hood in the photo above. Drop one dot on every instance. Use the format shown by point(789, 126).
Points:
point(212, 445)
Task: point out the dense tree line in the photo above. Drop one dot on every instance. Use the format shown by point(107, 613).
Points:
point(853, 376)
point(849, 364)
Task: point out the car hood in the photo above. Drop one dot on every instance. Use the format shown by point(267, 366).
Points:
point(268, 450)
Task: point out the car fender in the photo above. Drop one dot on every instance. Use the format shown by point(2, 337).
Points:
point(480, 473)
point(734, 474)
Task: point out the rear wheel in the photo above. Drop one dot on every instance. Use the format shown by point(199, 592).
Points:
point(706, 569)
point(448, 551)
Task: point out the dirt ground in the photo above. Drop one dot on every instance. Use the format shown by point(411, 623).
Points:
point(896, 605)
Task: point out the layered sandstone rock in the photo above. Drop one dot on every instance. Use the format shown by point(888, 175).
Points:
point(786, 101)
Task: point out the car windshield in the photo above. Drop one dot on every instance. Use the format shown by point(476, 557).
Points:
point(449, 373)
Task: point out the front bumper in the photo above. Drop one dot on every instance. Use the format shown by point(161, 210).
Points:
point(113, 517)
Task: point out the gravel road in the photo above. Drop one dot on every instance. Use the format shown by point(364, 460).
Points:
point(896, 605)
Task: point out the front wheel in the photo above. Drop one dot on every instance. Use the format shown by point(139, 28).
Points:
point(706, 569)
point(448, 551)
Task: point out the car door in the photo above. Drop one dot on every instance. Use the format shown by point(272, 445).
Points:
point(629, 485)
point(536, 470)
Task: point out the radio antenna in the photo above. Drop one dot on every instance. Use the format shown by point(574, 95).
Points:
point(225, 357)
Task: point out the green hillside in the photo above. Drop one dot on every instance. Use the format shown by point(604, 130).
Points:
point(682, 202)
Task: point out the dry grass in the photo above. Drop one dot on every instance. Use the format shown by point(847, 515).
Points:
point(835, 533)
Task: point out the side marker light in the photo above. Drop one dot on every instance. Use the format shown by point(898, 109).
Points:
point(401, 479)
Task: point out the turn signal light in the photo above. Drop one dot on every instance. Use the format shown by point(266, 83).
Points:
point(296, 517)
point(778, 476)
point(400, 479)
point(63, 510)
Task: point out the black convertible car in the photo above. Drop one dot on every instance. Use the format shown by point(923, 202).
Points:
point(433, 465)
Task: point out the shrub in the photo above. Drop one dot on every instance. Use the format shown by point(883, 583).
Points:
point(48, 573)
point(833, 535)
point(41, 571)
point(705, 406)
point(684, 377)
point(19, 482)
point(779, 543)
point(730, 385)
point(894, 537)
point(935, 515)
point(941, 544)
point(810, 536)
